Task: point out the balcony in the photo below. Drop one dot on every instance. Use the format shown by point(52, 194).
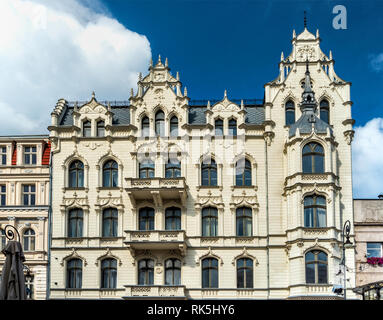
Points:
point(156, 240)
point(157, 190)
point(154, 292)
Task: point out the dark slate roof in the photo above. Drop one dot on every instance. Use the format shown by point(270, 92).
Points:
point(121, 116)
point(255, 114)
point(304, 123)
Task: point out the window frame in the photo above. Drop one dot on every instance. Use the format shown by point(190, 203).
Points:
point(159, 123)
point(232, 124)
point(247, 168)
point(86, 128)
point(79, 225)
point(75, 269)
point(243, 269)
point(218, 127)
point(173, 270)
point(30, 193)
point(148, 167)
point(315, 206)
point(245, 218)
point(290, 108)
point(30, 153)
point(109, 273)
point(372, 243)
point(78, 170)
point(316, 263)
point(173, 214)
point(209, 168)
point(173, 125)
point(210, 268)
point(3, 155)
point(148, 219)
point(29, 239)
point(3, 194)
point(100, 128)
point(211, 220)
point(110, 167)
point(148, 272)
point(325, 105)
point(110, 214)
point(313, 155)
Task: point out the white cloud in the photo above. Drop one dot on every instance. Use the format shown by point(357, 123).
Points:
point(368, 159)
point(62, 49)
point(376, 61)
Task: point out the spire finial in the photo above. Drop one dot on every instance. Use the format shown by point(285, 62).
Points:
point(151, 62)
point(225, 94)
point(140, 76)
point(178, 76)
point(305, 20)
point(294, 34)
point(166, 62)
point(282, 56)
point(159, 58)
point(185, 92)
point(131, 92)
point(93, 95)
point(330, 55)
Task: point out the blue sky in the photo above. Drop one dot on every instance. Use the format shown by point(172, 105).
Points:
point(68, 48)
point(236, 45)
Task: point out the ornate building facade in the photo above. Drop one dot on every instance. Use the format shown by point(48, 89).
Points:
point(165, 197)
point(24, 203)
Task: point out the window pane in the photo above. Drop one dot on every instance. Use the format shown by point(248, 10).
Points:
point(106, 178)
point(115, 178)
point(290, 117)
point(322, 273)
point(319, 167)
point(321, 217)
point(214, 278)
point(309, 217)
point(240, 278)
point(324, 115)
point(374, 249)
point(249, 278)
point(306, 164)
point(310, 273)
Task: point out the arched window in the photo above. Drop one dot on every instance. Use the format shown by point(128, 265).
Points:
point(160, 123)
point(108, 274)
point(244, 222)
point(324, 111)
point(219, 127)
point(145, 127)
point(243, 172)
point(313, 158)
point(3, 239)
point(289, 112)
point(245, 273)
point(74, 274)
point(110, 174)
point(232, 127)
point(173, 218)
point(173, 168)
point(209, 173)
point(146, 169)
point(109, 222)
point(172, 272)
point(100, 128)
point(174, 126)
point(145, 272)
point(316, 267)
point(75, 223)
point(315, 211)
point(76, 174)
point(86, 128)
point(209, 273)
point(146, 219)
point(29, 240)
point(209, 222)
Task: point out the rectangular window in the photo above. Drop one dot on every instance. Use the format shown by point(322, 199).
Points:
point(29, 195)
point(374, 249)
point(3, 195)
point(3, 156)
point(30, 155)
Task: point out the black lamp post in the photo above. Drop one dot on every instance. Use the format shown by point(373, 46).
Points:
point(345, 232)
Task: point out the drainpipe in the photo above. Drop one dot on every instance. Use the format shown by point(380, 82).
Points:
point(48, 291)
point(267, 221)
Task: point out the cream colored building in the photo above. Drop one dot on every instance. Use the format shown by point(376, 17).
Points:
point(166, 197)
point(24, 202)
point(368, 224)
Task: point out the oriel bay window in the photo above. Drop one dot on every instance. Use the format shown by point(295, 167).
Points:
point(315, 211)
point(209, 273)
point(243, 172)
point(316, 267)
point(146, 219)
point(209, 222)
point(109, 222)
point(244, 222)
point(108, 274)
point(172, 272)
point(209, 173)
point(313, 158)
point(146, 272)
point(75, 223)
point(173, 218)
point(74, 274)
point(244, 273)
point(76, 174)
point(110, 174)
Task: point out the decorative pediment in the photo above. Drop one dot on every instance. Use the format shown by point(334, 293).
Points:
point(244, 200)
point(142, 254)
point(245, 254)
point(74, 201)
point(305, 52)
point(109, 201)
point(209, 254)
point(93, 107)
point(73, 255)
point(225, 105)
point(209, 200)
point(108, 255)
